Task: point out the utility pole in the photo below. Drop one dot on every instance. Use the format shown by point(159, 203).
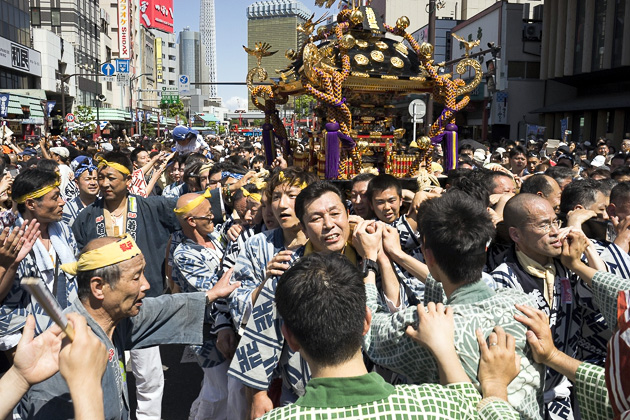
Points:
point(432, 17)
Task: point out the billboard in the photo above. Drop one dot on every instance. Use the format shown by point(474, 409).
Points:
point(157, 14)
point(124, 31)
point(18, 57)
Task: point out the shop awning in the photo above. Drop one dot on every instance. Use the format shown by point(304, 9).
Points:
point(208, 117)
point(30, 98)
point(112, 114)
point(590, 103)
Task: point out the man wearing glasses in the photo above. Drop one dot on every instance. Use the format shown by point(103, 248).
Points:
point(197, 267)
point(533, 266)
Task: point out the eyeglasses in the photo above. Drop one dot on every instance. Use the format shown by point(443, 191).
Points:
point(206, 218)
point(546, 227)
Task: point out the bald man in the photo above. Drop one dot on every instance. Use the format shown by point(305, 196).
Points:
point(196, 267)
point(533, 266)
point(112, 293)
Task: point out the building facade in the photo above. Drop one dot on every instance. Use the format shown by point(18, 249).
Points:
point(275, 22)
point(585, 65)
point(418, 11)
point(504, 110)
point(78, 23)
point(15, 41)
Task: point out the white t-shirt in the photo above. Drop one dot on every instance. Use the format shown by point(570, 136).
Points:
point(192, 147)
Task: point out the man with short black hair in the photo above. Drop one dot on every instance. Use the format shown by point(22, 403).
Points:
point(498, 182)
point(454, 228)
point(49, 244)
point(341, 383)
point(621, 174)
point(544, 186)
point(561, 174)
point(466, 150)
point(584, 194)
point(384, 194)
point(518, 160)
point(358, 196)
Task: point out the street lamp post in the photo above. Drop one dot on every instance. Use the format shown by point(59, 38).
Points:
point(64, 79)
point(131, 109)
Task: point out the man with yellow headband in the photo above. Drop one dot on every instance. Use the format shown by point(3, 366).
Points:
point(38, 198)
point(150, 221)
point(323, 218)
point(197, 267)
point(113, 298)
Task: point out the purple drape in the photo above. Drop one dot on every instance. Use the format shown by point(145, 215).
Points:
point(450, 146)
point(267, 135)
point(332, 150)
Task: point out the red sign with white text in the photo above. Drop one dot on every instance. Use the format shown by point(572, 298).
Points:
point(157, 14)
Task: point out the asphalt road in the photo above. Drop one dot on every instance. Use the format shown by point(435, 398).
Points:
point(182, 382)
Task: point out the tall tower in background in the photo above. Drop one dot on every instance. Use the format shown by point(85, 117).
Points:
point(189, 55)
point(208, 32)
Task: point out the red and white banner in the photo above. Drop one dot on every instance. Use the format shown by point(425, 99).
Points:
point(157, 14)
point(124, 31)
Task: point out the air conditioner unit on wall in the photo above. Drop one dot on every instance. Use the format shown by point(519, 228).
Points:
point(532, 31)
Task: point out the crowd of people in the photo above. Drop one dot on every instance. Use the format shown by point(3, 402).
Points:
point(499, 291)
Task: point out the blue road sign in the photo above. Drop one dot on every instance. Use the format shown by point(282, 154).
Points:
point(122, 66)
point(183, 79)
point(108, 69)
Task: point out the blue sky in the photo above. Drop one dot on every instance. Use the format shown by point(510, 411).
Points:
point(231, 27)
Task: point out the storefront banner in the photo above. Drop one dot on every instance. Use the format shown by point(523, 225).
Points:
point(124, 35)
point(4, 105)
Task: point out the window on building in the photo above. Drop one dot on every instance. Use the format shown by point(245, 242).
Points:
point(610, 121)
point(55, 17)
point(599, 32)
point(620, 11)
point(578, 50)
point(523, 70)
point(36, 18)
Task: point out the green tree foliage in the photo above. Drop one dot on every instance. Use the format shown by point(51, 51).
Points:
point(172, 110)
point(85, 115)
point(304, 105)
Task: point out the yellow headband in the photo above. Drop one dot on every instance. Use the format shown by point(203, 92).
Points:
point(206, 167)
point(253, 196)
point(193, 203)
point(122, 250)
point(102, 163)
point(37, 193)
point(283, 179)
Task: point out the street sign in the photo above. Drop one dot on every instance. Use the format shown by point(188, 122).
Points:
point(122, 79)
point(108, 69)
point(170, 95)
point(70, 118)
point(109, 79)
point(183, 83)
point(417, 108)
point(122, 66)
